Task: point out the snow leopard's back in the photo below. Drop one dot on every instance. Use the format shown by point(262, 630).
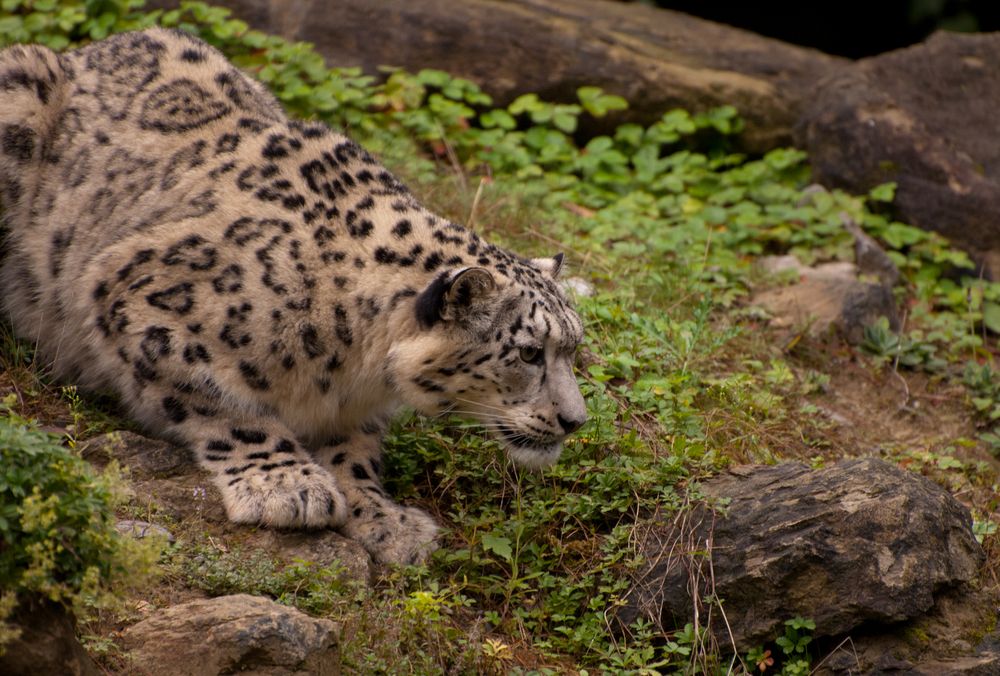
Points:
point(96, 148)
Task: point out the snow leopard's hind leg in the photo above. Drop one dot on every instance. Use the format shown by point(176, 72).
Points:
point(33, 87)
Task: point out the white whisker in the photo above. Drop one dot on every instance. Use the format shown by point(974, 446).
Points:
point(481, 404)
point(493, 416)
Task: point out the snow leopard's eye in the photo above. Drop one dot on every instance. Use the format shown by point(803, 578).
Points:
point(532, 355)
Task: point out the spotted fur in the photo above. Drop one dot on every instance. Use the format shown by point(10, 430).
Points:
point(259, 289)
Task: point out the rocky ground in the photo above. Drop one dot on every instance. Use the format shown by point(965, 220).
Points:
point(883, 559)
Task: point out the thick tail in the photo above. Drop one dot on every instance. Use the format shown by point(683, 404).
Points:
point(33, 86)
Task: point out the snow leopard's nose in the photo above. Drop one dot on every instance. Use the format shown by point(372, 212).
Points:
point(571, 425)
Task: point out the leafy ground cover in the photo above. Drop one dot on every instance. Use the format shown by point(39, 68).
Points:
point(681, 372)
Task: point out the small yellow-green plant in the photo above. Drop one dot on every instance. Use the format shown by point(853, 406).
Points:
point(57, 525)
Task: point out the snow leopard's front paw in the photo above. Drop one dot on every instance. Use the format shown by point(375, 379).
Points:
point(392, 533)
point(297, 496)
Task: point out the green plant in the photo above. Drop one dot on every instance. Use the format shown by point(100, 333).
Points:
point(57, 524)
point(760, 658)
point(793, 644)
point(794, 659)
point(983, 528)
point(418, 626)
point(61, 23)
point(984, 386)
point(908, 351)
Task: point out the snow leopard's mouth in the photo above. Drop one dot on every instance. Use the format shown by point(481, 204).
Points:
point(522, 439)
point(529, 450)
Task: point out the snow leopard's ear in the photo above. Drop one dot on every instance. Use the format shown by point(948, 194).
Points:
point(550, 266)
point(454, 295)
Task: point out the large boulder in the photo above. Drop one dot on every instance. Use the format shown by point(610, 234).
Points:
point(859, 542)
point(657, 59)
point(925, 118)
point(230, 634)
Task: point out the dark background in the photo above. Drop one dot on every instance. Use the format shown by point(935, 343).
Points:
point(852, 28)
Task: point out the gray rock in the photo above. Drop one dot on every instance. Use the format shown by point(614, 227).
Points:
point(578, 286)
point(229, 634)
point(189, 495)
point(657, 59)
point(146, 458)
point(142, 529)
point(861, 541)
point(925, 118)
point(825, 296)
point(869, 256)
point(986, 664)
point(164, 477)
point(937, 642)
